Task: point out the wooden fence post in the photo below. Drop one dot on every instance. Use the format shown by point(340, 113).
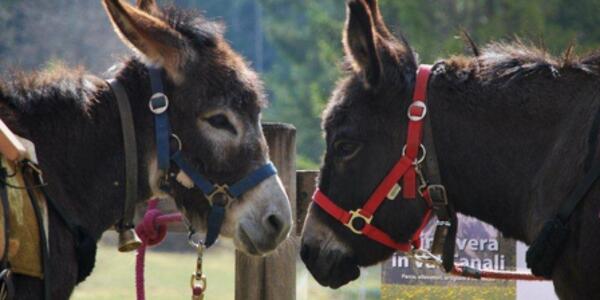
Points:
point(306, 182)
point(273, 277)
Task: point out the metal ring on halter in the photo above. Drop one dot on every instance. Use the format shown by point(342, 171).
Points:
point(178, 140)
point(357, 215)
point(195, 244)
point(419, 160)
point(417, 104)
point(161, 109)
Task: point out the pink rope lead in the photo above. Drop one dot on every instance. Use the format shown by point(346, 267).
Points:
point(139, 272)
point(152, 231)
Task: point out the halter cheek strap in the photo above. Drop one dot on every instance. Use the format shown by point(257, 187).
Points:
point(406, 169)
point(159, 105)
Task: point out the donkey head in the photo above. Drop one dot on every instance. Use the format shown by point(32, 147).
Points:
point(365, 125)
point(215, 102)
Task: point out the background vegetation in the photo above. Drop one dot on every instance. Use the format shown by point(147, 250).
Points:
point(296, 44)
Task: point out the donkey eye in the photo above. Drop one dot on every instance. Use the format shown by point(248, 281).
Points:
point(346, 148)
point(220, 121)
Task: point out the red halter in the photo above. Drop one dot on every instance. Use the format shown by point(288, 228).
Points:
point(359, 221)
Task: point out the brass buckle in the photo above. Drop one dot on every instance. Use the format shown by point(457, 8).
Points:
point(219, 189)
point(198, 279)
point(438, 195)
point(356, 214)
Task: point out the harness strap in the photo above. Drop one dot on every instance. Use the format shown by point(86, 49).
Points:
point(200, 181)
point(159, 104)
point(416, 112)
point(130, 149)
point(366, 228)
point(444, 241)
point(380, 194)
point(214, 222)
point(85, 243)
point(404, 169)
point(566, 210)
point(549, 243)
point(28, 173)
point(7, 290)
point(5, 213)
point(253, 179)
point(217, 210)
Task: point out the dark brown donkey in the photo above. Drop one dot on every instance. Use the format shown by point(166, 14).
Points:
point(215, 106)
point(511, 128)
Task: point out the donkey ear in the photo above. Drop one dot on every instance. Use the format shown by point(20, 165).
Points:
point(149, 35)
point(148, 6)
point(378, 19)
point(360, 42)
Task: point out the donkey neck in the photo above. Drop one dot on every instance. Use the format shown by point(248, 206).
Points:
point(501, 148)
point(79, 142)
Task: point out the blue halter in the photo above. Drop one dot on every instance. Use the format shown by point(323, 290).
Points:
point(159, 105)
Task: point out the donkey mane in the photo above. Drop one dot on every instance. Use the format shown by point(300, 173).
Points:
point(501, 63)
point(37, 92)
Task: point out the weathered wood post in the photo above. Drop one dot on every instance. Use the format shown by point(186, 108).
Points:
point(273, 277)
point(306, 182)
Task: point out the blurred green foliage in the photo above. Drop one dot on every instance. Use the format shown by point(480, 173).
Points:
point(307, 37)
point(296, 45)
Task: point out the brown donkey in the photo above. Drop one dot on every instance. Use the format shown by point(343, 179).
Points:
point(215, 110)
point(512, 128)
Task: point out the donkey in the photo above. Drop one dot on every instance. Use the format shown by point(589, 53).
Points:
point(511, 128)
point(215, 108)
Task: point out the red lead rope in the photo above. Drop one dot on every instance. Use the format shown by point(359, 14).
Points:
point(359, 221)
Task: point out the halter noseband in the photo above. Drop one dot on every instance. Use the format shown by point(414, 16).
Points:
point(407, 169)
point(218, 195)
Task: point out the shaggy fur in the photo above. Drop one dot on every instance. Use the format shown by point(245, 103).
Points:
point(72, 117)
point(511, 128)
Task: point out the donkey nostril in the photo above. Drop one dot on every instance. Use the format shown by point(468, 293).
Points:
point(274, 222)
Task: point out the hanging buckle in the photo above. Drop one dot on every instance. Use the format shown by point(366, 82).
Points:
point(219, 190)
point(415, 106)
point(159, 103)
point(438, 195)
point(355, 215)
point(198, 280)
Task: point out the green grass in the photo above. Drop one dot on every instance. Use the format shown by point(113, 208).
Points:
point(429, 292)
point(168, 276)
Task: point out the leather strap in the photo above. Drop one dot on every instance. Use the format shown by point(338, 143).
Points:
point(444, 240)
point(590, 178)
point(28, 175)
point(6, 220)
point(130, 148)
